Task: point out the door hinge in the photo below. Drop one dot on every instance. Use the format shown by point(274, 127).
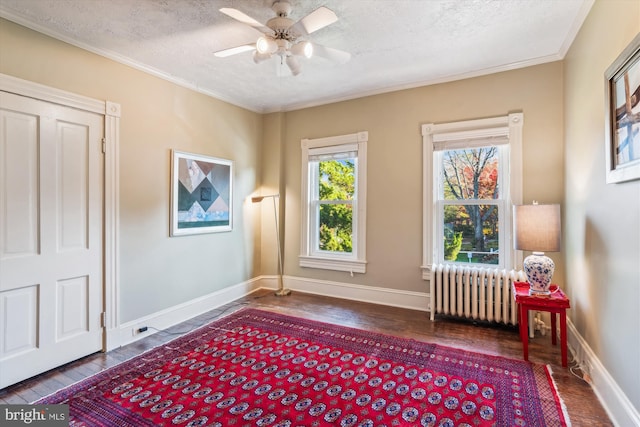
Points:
point(104, 145)
point(103, 319)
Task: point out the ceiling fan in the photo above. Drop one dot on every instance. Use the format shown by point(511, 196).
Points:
point(285, 38)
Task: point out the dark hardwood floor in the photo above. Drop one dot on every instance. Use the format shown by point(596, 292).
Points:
point(583, 406)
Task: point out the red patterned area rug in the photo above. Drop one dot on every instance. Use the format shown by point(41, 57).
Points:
point(258, 368)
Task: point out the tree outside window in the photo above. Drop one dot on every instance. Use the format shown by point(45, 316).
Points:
point(336, 182)
point(471, 218)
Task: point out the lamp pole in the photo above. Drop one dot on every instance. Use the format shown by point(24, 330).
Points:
point(282, 291)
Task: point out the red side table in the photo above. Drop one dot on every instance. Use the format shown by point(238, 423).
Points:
point(555, 303)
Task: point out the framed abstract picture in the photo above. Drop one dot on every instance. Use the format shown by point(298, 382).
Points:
point(622, 118)
point(201, 194)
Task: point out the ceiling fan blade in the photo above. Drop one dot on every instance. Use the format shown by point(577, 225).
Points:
point(246, 19)
point(234, 50)
point(319, 18)
point(335, 55)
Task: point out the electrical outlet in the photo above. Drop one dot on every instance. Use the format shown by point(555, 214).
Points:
point(136, 331)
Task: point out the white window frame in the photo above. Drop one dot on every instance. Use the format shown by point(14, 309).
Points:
point(310, 256)
point(464, 134)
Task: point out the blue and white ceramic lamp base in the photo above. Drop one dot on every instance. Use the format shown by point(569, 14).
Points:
point(539, 270)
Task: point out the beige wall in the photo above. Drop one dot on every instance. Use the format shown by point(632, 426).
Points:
point(156, 271)
point(272, 170)
point(394, 188)
point(602, 221)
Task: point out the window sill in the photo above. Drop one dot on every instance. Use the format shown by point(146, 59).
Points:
point(351, 266)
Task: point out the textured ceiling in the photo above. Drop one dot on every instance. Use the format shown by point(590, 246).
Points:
point(394, 44)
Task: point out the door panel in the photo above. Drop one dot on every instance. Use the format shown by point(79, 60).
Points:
point(72, 186)
point(51, 235)
point(20, 237)
point(19, 318)
point(72, 308)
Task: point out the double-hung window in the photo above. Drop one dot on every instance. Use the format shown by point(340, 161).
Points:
point(472, 177)
point(334, 203)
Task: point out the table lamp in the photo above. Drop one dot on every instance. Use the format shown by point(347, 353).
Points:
point(536, 228)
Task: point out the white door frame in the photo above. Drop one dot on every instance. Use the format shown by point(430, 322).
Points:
point(111, 113)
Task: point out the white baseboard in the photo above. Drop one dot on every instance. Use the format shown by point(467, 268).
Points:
point(127, 333)
point(612, 398)
point(375, 295)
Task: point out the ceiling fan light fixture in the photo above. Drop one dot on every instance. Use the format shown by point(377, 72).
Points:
point(285, 38)
point(266, 45)
point(303, 48)
point(259, 57)
point(293, 64)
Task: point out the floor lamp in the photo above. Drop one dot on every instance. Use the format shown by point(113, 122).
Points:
point(257, 199)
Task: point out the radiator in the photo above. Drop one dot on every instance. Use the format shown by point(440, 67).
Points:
point(474, 293)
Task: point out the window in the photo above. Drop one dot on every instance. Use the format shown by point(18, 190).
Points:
point(334, 203)
point(472, 175)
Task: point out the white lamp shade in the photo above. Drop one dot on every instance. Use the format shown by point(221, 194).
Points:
point(537, 228)
point(259, 57)
point(303, 48)
point(266, 45)
point(294, 65)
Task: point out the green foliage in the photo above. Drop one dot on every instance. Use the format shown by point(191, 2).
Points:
point(337, 184)
point(452, 244)
point(337, 179)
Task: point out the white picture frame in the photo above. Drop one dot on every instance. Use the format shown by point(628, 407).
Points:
point(201, 194)
point(622, 117)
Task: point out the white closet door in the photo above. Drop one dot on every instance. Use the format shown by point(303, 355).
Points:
point(51, 236)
